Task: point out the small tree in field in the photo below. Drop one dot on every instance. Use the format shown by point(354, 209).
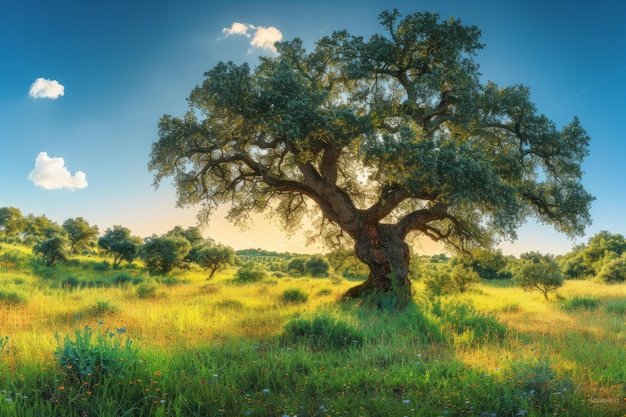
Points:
point(378, 140)
point(80, 233)
point(161, 254)
point(317, 266)
point(118, 242)
point(54, 250)
point(539, 272)
point(214, 257)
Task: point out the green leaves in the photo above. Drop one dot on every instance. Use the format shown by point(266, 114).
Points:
point(385, 130)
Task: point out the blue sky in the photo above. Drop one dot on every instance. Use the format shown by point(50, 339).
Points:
point(83, 85)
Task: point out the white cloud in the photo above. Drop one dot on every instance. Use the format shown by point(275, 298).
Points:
point(238, 29)
point(44, 88)
point(51, 174)
point(263, 37)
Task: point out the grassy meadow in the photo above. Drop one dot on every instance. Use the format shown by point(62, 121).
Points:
point(86, 340)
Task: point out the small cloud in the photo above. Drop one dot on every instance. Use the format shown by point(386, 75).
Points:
point(51, 174)
point(238, 29)
point(263, 37)
point(44, 88)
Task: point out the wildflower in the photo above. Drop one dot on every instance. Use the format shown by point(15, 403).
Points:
point(266, 390)
point(8, 399)
point(61, 388)
point(158, 373)
point(121, 330)
point(406, 401)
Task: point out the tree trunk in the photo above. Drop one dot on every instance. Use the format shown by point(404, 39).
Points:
point(386, 254)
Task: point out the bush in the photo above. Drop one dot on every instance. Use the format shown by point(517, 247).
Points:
point(91, 357)
point(122, 278)
point(466, 324)
point(324, 291)
point(12, 298)
point(463, 278)
point(584, 303)
point(294, 296)
point(437, 281)
point(146, 290)
point(71, 282)
point(613, 270)
point(100, 308)
point(249, 273)
point(322, 332)
point(616, 307)
point(101, 266)
point(317, 266)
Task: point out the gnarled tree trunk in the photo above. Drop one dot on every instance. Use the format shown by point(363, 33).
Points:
point(385, 252)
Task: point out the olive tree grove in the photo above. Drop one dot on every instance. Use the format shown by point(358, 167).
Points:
point(376, 139)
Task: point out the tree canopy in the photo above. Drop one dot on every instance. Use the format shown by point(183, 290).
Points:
point(377, 139)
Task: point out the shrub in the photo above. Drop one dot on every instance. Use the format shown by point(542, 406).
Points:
point(616, 307)
point(437, 281)
point(209, 289)
point(317, 266)
point(613, 270)
point(249, 273)
point(101, 266)
point(322, 332)
point(70, 282)
point(12, 298)
point(122, 278)
point(584, 303)
point(146, 290)
point(91, 357)
point(297, 266)
point(466, 323)
point(100, 308)
point(463, 278)
point(324, 291)
point(336, 279)
point(294, 296)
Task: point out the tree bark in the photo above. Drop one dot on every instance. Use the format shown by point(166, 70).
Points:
point(385, 252)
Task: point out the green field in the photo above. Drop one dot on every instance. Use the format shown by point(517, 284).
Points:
point(85, 340)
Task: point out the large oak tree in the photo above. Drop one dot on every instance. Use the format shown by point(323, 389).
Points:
point(381, 138)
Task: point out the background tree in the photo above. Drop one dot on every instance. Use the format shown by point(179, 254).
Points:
point(54, 250)
point(39, 228)
point(317, 266)
point(118, 242)
point(386, 137)
point(613, 269)
point(194, 236)
point(539, 272)
point(587, 261)
point(11, 222)
point(162, 253)
point(297, 266)
point(79, 233)
point(214, 257)
point(488, 264)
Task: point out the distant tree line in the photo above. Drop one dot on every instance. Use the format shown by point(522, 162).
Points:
point(55, 243)
point(603, 257)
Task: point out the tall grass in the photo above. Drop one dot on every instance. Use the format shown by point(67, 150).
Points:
point(236, 349)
